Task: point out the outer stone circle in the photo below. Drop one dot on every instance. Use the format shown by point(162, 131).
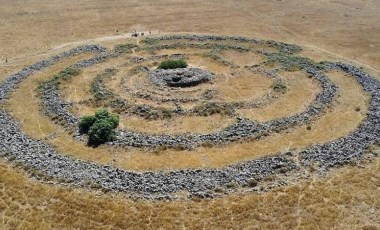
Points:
point(182, 77)
point(16, 146)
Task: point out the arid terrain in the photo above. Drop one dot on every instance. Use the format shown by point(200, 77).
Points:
point(303, 195)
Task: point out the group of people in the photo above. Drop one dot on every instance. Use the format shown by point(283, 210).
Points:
point(136, 34)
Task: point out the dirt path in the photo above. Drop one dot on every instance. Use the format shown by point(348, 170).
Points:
point(128, 35)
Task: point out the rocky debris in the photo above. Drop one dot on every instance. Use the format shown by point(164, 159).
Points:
point(209, 94)
point(182, 77)
point(35, 155)
point(98, 88)
point(255, 103)
point(55, 106)
point(137, 59)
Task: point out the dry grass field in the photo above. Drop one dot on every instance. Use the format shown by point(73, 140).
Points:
point(344, 198)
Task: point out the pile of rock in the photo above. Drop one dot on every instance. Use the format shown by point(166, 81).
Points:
point(182, 77)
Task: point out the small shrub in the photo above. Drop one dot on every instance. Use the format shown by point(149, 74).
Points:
point(166, 113)
point(85, 123)
point(252, 183)
point(151, 41)
point(68, 73)
point(284, 48)
point(231, 184)
point(173, 64)
point(211, 108)
point(125, 48)
point(114, 120)
point(219, 190)
point(207, 144)
point(279, 87)
point(292, 63)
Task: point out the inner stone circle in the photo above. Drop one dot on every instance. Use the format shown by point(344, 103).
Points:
point(182, 77)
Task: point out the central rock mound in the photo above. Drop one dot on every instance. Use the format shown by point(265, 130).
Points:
point(181, 77)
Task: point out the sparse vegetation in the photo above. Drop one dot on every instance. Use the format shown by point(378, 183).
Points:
point(65, 74)
point(231, 185)
point(150, 41)
point(173, 64)
point(97, 86)
point(215, 55)
point(279, 87)
point(252, 183)
point(68, 73)
point(290, 62)
point(125, 48)
point(210, 108)
point(284, 48)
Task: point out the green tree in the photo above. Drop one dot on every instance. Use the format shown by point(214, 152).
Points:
point(100, 127)
point(85, 123)
point(101, 131)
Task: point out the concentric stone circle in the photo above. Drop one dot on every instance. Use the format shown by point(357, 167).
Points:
point(35, 154)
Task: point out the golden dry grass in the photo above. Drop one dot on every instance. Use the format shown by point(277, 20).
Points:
point(79, 88)
point(347, 198)
point(37, 123)
point(346, 30)
point(242, 86)
point(242, 58)
point(301, 91)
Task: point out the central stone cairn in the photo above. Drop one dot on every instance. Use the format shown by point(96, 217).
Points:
point(181, 77)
